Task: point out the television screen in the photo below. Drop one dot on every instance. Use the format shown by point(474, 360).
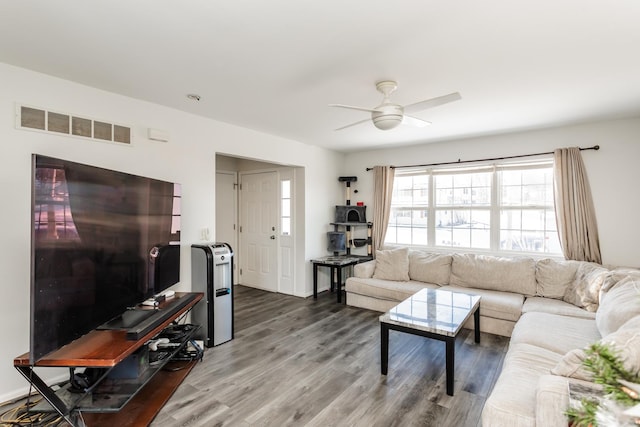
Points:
point(94, 231)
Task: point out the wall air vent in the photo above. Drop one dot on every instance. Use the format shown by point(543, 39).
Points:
point(31, 118)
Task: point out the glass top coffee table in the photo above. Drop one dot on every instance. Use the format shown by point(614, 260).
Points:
point(431, 313)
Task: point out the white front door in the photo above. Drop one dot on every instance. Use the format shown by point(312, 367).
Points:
point(258, 230)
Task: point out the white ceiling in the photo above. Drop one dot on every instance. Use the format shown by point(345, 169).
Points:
point(274, 65)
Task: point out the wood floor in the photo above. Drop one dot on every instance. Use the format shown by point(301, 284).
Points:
point(300, 362)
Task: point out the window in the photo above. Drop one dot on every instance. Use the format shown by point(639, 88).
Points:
point(493, 208)
point(463, 208)
point(409, 213)
point(285, 207)
point(527, 216)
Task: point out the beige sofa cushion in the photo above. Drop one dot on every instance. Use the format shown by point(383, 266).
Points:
point(430, 267)
point(555, 306)
point(496, 304)
point(553, 277)
point(392, 264)
point(513, 399)
point(620, 304)
point(516, 275)
point(385, 289)
point(584, 291)
point(556, 333)
point(552, 399)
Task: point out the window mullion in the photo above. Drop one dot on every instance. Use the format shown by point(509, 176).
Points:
point(431, 213)
point(495, 211)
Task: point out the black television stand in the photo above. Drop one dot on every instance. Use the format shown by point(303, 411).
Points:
point(106, 349)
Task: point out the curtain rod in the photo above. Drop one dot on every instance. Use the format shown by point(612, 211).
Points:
point(595, 147)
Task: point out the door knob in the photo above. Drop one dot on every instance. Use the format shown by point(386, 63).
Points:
point(273, 237)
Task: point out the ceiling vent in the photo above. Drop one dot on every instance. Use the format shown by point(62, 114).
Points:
point(32, 118)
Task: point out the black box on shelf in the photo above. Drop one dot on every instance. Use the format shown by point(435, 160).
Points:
point(133, 366)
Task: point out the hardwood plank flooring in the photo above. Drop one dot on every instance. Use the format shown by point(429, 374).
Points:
point(300, 362)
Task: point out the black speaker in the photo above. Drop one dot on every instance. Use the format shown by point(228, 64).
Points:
point(82, 381)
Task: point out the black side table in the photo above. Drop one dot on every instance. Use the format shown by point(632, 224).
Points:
point(335, 264)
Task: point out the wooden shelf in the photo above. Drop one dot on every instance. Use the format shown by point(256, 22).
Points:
point(106, 349)
point(103, 348)
point(144, 407)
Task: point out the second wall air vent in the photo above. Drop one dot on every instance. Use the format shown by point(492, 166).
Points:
point(60, 123)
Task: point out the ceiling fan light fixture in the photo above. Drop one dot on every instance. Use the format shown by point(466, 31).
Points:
point(389, 115)
point(386, 121)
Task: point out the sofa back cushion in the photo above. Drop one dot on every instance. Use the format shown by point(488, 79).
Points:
point(495, 273)
point(553, 277)
point(616, 275)
point(584, 291)
point(392, 264)
point(430, 267)
point(619, 304)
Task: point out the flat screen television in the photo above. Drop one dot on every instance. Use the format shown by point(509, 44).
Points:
point(102, 242)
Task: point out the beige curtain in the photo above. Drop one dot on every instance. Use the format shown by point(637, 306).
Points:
point(382, 191)
point(575, 214)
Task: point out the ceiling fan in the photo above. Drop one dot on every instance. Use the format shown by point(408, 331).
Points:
point(388, 115)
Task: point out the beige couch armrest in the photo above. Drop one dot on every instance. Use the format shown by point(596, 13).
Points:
point(364, 270)
point(552, 399)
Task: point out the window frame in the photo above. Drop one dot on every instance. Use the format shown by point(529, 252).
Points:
point(288, 197)
point(494, 207)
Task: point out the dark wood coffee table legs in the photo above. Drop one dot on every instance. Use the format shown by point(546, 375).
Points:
point(450, 344)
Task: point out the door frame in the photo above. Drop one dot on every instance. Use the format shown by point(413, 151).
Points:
point(285, 284)
point(235, 204)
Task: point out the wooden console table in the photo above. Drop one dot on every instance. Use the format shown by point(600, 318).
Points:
point(143, 397)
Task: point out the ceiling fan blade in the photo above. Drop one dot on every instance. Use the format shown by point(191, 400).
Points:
point(350, 107)
point(353, 124)
point(433, 102)
point(414, 121)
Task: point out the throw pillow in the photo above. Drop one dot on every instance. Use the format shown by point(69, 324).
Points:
point(618, 305)
point(585, 289)
point(571, 365)
point(430, 267)
point(554, 277)
point(392, 264)
point(625, 342)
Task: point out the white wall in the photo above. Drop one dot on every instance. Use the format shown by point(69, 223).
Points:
point(613, 171)
point(188, 158)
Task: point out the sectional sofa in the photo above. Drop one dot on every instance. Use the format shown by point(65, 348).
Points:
point(551, 310)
